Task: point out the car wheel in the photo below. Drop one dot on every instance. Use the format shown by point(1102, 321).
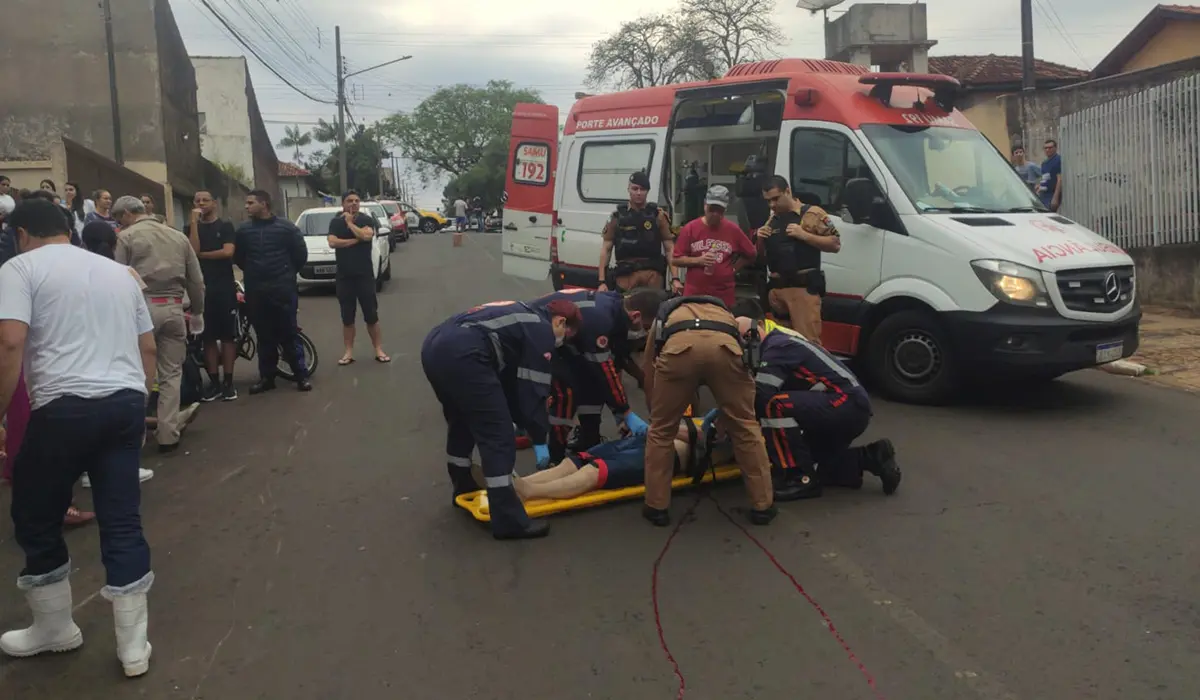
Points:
point(387, 271)
point(429, 226)
point(910, 358)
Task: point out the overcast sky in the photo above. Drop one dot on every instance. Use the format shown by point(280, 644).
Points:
point(544, 44)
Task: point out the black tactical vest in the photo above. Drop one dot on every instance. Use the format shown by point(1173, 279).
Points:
point(637, 236)
point(787, 255)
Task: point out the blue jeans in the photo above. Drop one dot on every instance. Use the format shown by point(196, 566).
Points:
point(65, 438)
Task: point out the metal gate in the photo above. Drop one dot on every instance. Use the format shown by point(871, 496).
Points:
point(1131, 167)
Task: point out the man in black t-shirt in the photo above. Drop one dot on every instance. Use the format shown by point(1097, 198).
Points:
point(351, 236)
point(212, 239)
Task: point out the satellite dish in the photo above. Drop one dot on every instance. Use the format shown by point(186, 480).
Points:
point(816, 6)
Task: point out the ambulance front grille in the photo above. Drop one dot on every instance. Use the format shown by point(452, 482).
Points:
point(1097, 290)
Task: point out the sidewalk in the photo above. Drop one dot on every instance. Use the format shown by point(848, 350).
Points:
point(1170, 347)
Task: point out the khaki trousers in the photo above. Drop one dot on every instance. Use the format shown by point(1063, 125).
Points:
point(642, 278)
point(170, 336)
point(803, 307)
point(712, 358)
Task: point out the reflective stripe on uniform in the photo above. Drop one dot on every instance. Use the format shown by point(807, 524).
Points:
point(585, 304)
point(498, 482)
point(826, 359)
point(506, 321)
point(590, 410)
point(778, 423)
point(554, 420)
point(464, 462)
point(597, 356)
point(533, 375)
point(498, 350)
point(768, 380)
point(819, 386)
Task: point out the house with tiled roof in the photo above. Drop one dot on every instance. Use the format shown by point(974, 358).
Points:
point(294, 181)
point(986, 78)
point(1167, 34)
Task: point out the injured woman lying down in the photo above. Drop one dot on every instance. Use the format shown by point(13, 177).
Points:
point(617, 464)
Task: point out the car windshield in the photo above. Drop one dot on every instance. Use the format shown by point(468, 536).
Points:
point(390, 208)
point(316, 223)
point(949, 170)
point(375, 209)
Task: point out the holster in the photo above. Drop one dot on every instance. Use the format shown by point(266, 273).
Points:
point(628, 267)
point(812, 280)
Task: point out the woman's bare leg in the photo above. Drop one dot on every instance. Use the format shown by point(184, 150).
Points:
point(565, 468)
point(583, 480)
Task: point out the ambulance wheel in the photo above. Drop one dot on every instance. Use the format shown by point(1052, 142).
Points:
point(911, 360)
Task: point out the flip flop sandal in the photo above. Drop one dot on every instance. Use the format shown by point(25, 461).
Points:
point(75, 517)
point(345, 361)
point(382, 359)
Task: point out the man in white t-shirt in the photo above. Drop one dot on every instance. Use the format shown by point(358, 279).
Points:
point(81, 327)
point(460, 215)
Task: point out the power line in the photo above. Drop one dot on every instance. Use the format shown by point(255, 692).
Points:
point(246, 45)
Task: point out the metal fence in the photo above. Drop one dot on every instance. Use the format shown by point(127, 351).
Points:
point(1131, 167)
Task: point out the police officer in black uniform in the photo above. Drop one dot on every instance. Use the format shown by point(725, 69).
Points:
point(640, 235)
point(270, 250)
point(793, 240)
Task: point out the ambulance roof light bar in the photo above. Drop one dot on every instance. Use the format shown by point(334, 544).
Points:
point(945, 88)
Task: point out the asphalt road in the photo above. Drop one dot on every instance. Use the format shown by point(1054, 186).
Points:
point(1041, 546)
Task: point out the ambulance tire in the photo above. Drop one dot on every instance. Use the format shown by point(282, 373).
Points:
point(910, 358)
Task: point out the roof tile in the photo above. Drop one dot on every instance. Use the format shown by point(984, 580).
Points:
point(291, 170)
point(992, 69)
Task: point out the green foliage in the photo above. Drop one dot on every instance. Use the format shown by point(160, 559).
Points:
point(485, 179)
point(363, 157)
point(450, 131)
point(294, 138)
point(234, 172)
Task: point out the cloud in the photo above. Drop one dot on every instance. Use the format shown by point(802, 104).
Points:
point(544, 44)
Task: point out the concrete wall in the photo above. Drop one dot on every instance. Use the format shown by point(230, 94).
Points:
point(94, 171)
point(297, 205)
point(221, 96)
point(986, 111)
point(1176, 41)
point(266, 163)
point(1033, 118)
point(180, 118)
point(1169, 275)
point(294, 187)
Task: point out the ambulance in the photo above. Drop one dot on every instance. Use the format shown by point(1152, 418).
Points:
point(950, 269)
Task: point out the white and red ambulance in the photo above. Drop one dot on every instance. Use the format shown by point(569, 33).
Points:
point(949, 266)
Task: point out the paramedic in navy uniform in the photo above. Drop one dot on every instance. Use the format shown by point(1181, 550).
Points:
point(490, 368)
point(587, 370)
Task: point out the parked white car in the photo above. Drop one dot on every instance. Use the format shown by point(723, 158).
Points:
point(321, 268)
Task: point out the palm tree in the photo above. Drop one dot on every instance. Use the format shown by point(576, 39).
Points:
point(294, 138)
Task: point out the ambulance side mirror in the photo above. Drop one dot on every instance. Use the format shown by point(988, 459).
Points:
point(861, 196)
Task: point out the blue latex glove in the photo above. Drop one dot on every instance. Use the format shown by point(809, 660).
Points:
point(636, 425)
point(542, 454)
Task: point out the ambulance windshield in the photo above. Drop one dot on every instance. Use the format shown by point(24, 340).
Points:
point(949, 170)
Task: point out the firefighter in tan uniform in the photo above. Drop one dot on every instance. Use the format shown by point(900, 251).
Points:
point(792, 241)
point(694, 341)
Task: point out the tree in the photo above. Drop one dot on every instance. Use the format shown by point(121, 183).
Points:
point(484, 180)
point(448, 133)
point(234, 172)
point(294, 138)
point(734, 31)
point(363, 157)
point(648, 51)
point(700, 41)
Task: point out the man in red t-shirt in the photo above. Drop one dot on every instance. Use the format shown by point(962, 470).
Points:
point(713, 248)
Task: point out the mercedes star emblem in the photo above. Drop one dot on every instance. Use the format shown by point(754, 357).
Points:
point(1112, 288)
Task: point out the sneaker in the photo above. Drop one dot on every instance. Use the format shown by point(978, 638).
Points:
point(144, 475)
point(211, 393)
point(228, 393)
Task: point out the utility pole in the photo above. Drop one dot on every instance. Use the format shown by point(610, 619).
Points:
point(343, 176)
point(1028, 76)
point(342, 75)
point(118, 151)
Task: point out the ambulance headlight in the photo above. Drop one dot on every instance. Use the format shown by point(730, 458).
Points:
point(1012, 283)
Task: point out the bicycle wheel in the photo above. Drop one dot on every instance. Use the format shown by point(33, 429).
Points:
point(309, 353)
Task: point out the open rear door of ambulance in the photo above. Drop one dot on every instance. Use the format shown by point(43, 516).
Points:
point(529, 191)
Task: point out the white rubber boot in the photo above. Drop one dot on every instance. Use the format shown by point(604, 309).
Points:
point(53, 628)
point(130, 616)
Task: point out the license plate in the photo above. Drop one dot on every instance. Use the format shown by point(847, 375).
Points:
point(325, 269)
point(1109, 352)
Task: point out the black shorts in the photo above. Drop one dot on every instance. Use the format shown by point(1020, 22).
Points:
point(220, 317)
point(353, 292)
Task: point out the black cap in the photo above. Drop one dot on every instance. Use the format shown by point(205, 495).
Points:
point(641, 179)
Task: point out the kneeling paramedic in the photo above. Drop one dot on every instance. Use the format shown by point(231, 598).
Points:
point(694, 341)
point(586, 374)
point(490, 368)
point(811, 407)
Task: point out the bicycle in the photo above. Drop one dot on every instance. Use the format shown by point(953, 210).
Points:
point(248, 343)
